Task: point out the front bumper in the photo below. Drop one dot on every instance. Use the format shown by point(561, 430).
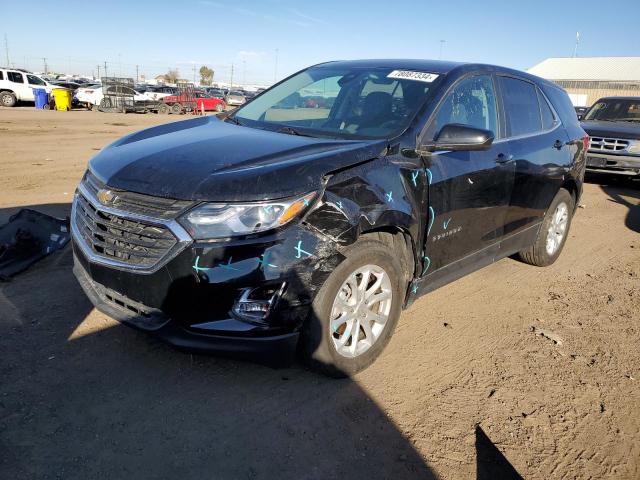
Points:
point(620, 164)
point(230, 338)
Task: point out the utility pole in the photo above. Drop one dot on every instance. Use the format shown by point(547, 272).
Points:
point(137, 73)
point(275, 68)
point(44, 60)
point(442, 42)
point(231, 81)
point(98, 71)
point(105, 68)
point(6, 48)
point(575, 49)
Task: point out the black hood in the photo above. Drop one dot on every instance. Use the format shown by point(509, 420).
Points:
point(629, 130)
point(210, 160)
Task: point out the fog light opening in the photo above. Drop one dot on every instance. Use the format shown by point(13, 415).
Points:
point(255, 304)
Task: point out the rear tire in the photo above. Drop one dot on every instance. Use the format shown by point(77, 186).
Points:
point(164, 109)
point(219, 108)
point(325, 328)
point(8, 99)
point(553, 232)
point(176, 109)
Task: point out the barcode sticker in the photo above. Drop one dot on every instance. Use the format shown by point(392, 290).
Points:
point(410, 75)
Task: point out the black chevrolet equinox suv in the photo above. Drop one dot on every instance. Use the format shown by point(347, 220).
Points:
point(307, 219)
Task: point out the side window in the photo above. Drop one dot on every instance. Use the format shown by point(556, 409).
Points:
point(1, 75)
point(521, 106)
point(33, 80)
point(15, 77)
point(472, 102)
point(548, 119)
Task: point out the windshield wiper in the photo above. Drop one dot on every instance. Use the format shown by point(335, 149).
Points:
point(233, 120)
point(291, 131)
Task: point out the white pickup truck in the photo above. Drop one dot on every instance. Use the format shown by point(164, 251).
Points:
point(18, 85)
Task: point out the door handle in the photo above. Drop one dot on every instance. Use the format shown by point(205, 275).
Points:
point(558, 144)
point(502, 158)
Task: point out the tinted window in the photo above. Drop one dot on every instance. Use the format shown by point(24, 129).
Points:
point(33, 80)
point(561, 104)
point(521, 106)
point(472, 102)
point(15, 77)
point(548, 120)
point(1, 76)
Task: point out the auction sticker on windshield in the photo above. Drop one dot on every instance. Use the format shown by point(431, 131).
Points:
point(409, 75)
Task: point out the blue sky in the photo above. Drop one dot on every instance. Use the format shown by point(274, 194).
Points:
point(157, 35)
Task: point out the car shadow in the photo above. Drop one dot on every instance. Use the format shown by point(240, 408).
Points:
point(85, 397)
point(620, 190)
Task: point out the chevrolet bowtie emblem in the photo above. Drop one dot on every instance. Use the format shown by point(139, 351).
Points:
point(105, 196)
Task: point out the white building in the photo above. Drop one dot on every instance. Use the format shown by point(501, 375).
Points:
point(587, 79)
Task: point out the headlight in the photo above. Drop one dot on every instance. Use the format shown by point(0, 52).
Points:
point(634, 147)
point(222, 220)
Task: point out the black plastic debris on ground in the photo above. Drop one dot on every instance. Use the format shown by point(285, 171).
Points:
point(28, 237)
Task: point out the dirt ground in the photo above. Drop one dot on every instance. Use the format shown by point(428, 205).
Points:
point(469, 386)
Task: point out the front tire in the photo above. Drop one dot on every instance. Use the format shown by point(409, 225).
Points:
point(7, 99)
point(553, 232)
point(355, 312)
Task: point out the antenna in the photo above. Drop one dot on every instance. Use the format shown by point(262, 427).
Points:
point(575, 49)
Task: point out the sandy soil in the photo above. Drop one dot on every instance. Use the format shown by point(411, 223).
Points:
point(469, 387)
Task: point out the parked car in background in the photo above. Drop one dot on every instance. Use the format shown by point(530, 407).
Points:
point(235, 98)
point(613, 125)
point(283, 230)
point(580, 111)
point(17, 85)
point(159, 92)
point(85, 94)
point(215, 92)
point(179, 103)
point(92, 97)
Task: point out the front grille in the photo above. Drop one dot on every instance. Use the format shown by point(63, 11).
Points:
point(158, 207)
point(127, 241)
point(611, 145)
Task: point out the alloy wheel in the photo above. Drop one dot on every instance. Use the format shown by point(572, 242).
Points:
point(360, 310)
point(557, 228)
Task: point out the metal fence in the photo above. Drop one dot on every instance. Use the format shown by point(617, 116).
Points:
point(118, 94)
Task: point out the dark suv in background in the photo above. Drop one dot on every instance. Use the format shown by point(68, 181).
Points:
point(613, 125)
point(278, 229)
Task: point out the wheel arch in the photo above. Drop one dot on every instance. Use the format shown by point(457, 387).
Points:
point(398, 240)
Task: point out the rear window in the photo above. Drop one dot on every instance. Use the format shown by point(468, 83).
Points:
point(548, 120)
point(562, 104)
point(15, 77)
point(521, 106)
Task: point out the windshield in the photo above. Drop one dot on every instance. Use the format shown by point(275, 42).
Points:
point(341, 102)
point(624, 110)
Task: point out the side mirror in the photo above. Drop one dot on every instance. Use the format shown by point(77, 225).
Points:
point(579, 116)
point(456, 137)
